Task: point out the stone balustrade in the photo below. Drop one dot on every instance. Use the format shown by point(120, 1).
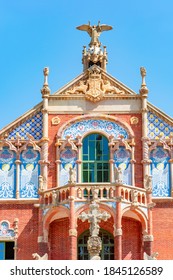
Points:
point(86, 191)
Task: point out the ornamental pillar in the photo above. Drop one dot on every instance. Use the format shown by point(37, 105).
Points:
point(72, 225)
point(148, 235)
point(45, 95)
point(118, 226)
point(144, 94)
point(17, 162)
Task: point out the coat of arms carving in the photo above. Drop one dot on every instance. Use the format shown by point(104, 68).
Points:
point(95, 87)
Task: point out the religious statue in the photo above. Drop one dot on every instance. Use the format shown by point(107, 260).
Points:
point(148, 183)
point(94, 31)
point(72, 176)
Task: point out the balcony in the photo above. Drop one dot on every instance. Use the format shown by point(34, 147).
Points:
point(85, 192)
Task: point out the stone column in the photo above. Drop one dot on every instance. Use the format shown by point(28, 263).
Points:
point(118, 226)
point(17, 162)
point(45, 95)
point(79, 160)
point(148, 236)
point(144, 95)
point(72, 225)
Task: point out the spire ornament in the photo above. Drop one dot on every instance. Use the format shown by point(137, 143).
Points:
point(95, 53)
point(45, 90)
point(143, 89)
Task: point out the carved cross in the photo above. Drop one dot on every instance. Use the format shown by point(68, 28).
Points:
point(94, 217)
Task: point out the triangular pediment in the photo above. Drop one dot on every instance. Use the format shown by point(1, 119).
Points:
point(94, 85)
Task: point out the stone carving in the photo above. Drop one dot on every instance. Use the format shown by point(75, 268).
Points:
point(108, 88)
point(81, 88)
point(55, 121)
point(95, 193)
point(54, 197)
point(94, 32)
point(152, 257)
point(38, 257)
point(94, 217)
point(41, 183)
point(95, 87)
point(134, 198)
point(118, 175)
point(72, 175)
point(94, 246)
point(134, 120)
point(148, 183)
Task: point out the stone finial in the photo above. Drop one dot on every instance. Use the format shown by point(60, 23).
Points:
point(95, 53)
point(45, 90)
point(143, 89)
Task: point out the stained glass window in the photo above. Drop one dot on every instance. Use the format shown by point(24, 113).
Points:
point(30, 171)
point(7, 173)
point(122, 159)
point(95, 159)
point(160, 170)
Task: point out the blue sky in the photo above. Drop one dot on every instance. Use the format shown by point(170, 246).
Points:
point(36, 34)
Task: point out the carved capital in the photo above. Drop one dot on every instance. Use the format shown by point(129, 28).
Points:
point(148, 237)
point(72, 232)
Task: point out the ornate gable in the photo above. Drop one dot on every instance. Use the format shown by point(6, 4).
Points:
point(94, 85)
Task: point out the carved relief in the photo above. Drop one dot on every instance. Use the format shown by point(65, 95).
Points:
point(95, 87)
point(55, 121)
point(134, 120)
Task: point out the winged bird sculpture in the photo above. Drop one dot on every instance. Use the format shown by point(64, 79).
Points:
point(94, 31)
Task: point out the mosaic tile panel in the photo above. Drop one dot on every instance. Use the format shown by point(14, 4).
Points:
point(5, 231)
point(7, 173)
point(158, 127)
point(81, 127)
point(68, 159)
point(122, 159)
point(29, 173)
point(33, 126)
point(160, 170)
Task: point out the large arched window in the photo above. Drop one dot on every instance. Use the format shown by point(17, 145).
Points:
point(160, 171)
point(95, 159)
point(107, 252)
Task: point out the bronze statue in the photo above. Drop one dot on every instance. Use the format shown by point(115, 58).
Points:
point(94, 31)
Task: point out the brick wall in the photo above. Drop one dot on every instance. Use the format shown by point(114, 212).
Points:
point(163, 230)
point(27, 227)
point(59, 239)
point(131, 239)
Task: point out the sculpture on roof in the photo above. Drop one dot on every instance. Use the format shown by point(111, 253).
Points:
point(94, 31)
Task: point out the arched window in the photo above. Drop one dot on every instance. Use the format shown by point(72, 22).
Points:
point(160, 171)
point(30, 170)
point(107, 252)
point(7, 173)
point(95, 159)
